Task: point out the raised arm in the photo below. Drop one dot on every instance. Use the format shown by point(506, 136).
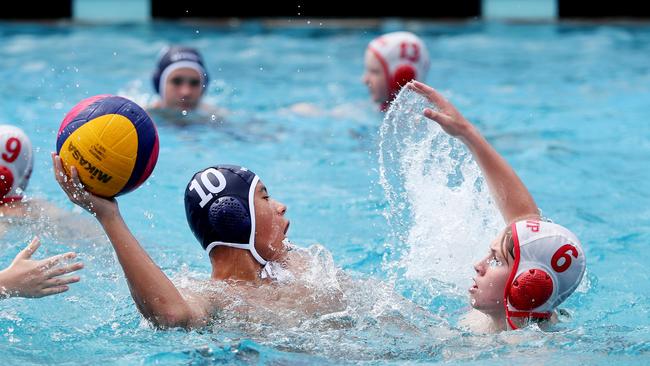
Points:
point(153, 293)
point(509, 192)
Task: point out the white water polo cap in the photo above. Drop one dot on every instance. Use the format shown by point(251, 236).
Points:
point(403, 56)
point(16, 162)
point(549, 265)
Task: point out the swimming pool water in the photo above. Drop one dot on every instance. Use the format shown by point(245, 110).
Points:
point(565, 104)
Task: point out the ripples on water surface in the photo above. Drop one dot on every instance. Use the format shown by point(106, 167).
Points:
point(566, 105)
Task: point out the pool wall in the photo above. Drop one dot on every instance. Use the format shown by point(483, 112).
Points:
point(146, 10)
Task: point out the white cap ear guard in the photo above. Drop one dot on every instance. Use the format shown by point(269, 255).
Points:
point(549, 265)
point(16, 162)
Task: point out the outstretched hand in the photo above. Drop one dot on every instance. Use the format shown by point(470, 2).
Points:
point(72, 186)
point(26, 277)
point(447, 116)
point(508, 191)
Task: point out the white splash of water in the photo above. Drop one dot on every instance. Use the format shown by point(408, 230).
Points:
point(322, 310)
point(440, 211)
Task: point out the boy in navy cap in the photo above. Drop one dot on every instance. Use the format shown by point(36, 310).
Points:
point(180, 79)
point(241, 228)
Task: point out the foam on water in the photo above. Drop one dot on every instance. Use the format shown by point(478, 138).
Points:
point(323, 310)
point(440, 211)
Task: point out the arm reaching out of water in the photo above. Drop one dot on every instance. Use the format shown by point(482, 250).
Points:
point(153, 293)
point(509, 192)
point(26, 277)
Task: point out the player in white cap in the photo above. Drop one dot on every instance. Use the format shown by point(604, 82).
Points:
point(25, 277)
point(391, 61)
point(533, 265)
point(16, 163)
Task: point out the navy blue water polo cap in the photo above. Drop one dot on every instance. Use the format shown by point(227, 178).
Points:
point(174, 58)
point(220, 209)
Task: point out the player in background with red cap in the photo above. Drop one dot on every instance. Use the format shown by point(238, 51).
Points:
point(391, 61)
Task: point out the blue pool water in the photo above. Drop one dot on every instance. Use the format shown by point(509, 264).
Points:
point(567, 106)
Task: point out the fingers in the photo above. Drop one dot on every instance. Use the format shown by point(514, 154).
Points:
point(446, 114)
point(79, 187)
point(54, 260)
point(60, 281)
point(59, 174)
point(30, 249)
point(441, 118)
point(59, 271)
point(419, 87)
point(75, 177)
point(66, 181)
point(428, 92)
point(52, 291)
point(71, 184)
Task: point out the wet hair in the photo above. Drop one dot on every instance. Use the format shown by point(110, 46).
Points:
point(507, 244)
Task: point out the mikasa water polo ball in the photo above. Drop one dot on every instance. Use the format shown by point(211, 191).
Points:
point(111, 141)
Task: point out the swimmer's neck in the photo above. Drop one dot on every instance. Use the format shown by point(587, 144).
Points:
point(234, 264)
point(496, 321)
point(482, 322)
point(500, 323)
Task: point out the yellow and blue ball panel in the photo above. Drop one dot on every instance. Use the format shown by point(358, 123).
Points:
point(112, 142)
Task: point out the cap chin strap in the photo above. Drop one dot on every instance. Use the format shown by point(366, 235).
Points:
point(180, 65)
point(250, 246)
point(517, 314)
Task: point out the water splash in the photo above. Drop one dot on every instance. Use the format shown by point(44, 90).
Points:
point(440, 211)
point(325, 311)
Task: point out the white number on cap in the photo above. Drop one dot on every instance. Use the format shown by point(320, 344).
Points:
point(206, 197)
